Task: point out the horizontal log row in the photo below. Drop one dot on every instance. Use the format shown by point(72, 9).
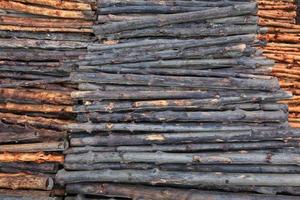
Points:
point(146, 192)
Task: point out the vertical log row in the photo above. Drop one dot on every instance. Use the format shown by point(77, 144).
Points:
point(282, 45)
point(179, 94)
point(40, 42)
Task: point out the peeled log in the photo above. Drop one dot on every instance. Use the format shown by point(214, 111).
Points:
point(23, 181)
point(31, 157)
point(10, 5)
point(67, 5)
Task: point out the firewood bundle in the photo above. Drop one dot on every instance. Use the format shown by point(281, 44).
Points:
point(177, 94)
point(282, 45)
point(40, 41)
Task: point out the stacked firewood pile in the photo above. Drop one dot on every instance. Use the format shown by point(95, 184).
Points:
point(283, 46)
point(40, 42)
point(177, 96)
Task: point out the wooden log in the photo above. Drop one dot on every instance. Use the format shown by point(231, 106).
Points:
point(187, 158)
point(161, 44)
point(45, 108)
point(188, 147)
point(100, 31)
point(38, 96)
point(35, 147)
point(109, 3)
point(172, 72)
point(186, 137)
point(227, 51)
point(145, 127)
point(47, 36)
point(155, 9)
point(153, 193)
point(42, 29)
point(21, 7)
point(29, 167)
point(183, 81)
point(191, 104)
point(25, 193)
point(61, 5)
point(34, 121)
point(242, 62)
point(276, 14)
point(41, 44)
point(192, 179)
point(23, 181)
point(16, 134)
point(226, 20)
point(287, 169)
point(194, 32)
point(31, 157)
point(44, 22)
point(181, 116)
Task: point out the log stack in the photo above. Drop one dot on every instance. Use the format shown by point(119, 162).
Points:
point(282, 45)
point(40, 41)
point(177, 95)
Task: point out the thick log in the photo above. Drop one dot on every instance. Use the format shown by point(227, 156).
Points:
point(170, 127)
point(31, 157)
point(23, 181)
point(196, 31)
point(216, 135)
point(226, 20)
point(25, 193)
point(31, 167)
point(35, 147)
point(192, 179)
point(189, 147)
point(287, 169)
point(161, 44)
point(44, 22)
point(224, 103)
point(182, 116)
point(21, 7)
point(47, 36)
point(42, 29)
point(16, 134)
point(109, 3)
point(38, 96)
point(242, 62)
point(169, 94)
point(227, 51)
point(41, 44)
point(100, 30)
point(187, 158)
point(172, 72)
point(183, 81)
point(40, 122)
point(59, 4)
point(153, 193)
point(44, 108)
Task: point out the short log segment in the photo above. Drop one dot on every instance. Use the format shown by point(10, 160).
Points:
point(23, 181)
